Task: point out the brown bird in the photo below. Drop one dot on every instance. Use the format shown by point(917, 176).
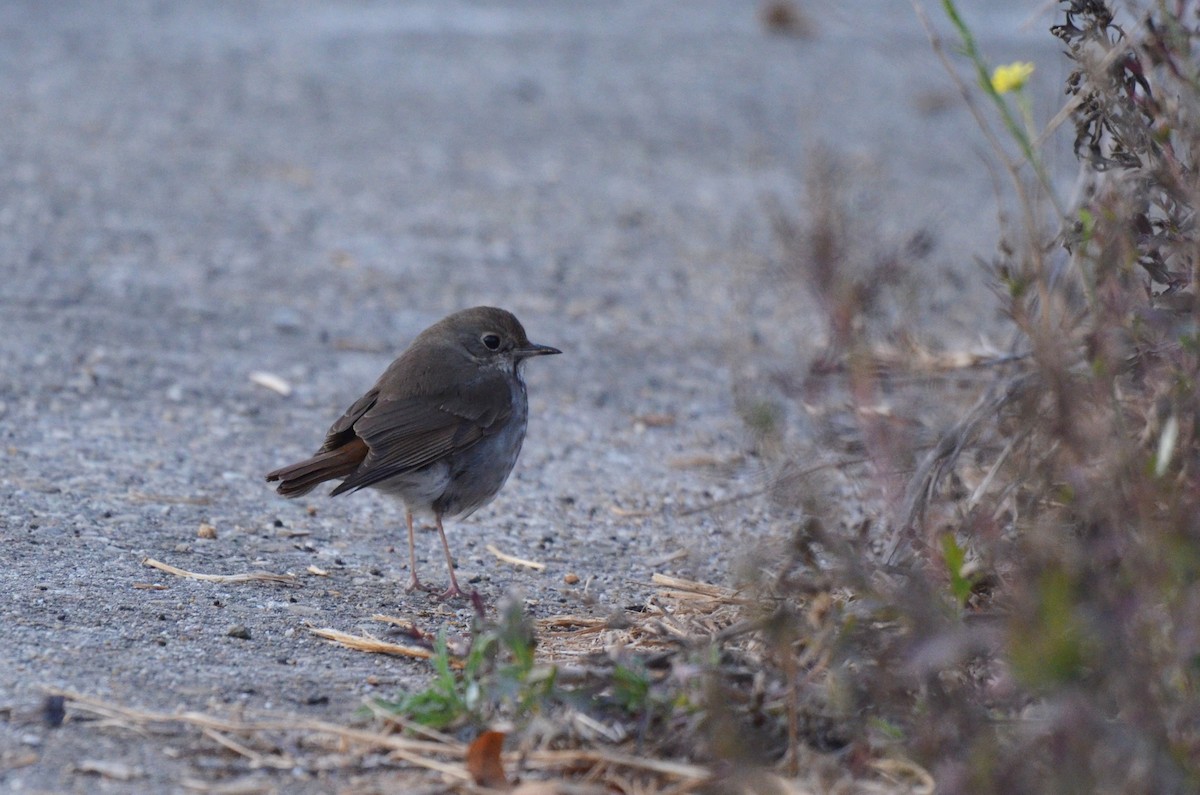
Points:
point(441, 429)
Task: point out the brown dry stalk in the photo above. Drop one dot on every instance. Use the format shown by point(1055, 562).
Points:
point(944, 454)
point(692, 586)
point(506, 558)
point(395, 621)
point(420, 753)
point(276, 761)
point(584, 624)
point(554, 759)
point(254, 576)
point(681, 590)
point(899, 769)
point(373, 645)
point(200, 720)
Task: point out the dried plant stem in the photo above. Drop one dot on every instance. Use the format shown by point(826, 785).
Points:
point(254, 576)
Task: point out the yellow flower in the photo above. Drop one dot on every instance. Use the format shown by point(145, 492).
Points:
point(1011, 77)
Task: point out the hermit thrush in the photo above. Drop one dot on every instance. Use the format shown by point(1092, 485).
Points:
point(441, 429)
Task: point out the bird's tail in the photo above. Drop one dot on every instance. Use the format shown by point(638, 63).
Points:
point(303, 477)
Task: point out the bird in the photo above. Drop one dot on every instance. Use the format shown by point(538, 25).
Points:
point(441, 429)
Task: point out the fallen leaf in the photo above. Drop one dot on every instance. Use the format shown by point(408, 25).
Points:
point(483, 760)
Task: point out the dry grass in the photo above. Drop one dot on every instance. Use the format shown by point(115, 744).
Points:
point(253, 576)
point(1017, 610)
point(606, 753)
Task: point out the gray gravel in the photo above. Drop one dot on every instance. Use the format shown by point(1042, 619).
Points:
point(191, 193)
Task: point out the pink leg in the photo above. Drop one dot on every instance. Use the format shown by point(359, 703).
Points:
point(453, 590)
point(413, 582)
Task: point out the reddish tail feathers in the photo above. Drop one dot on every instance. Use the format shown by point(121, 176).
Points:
point(303, 477)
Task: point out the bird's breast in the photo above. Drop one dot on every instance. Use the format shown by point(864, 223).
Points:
point(478, 473)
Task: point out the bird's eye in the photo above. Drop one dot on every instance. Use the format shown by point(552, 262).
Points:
point(491, 342)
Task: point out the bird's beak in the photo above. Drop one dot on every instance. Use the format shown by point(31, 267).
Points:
point(532, 349)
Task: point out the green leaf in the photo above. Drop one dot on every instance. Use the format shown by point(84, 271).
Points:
point(954, 557)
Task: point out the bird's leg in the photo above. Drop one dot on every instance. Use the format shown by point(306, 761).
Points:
point(413, 582)
point(453, 590)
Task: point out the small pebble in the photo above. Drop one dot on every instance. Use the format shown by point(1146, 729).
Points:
point(570, 578)
point(54, 710)
point(206, 531)
point(239, 631)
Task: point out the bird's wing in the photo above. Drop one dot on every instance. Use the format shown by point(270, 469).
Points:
point(409, 433)
point(342, 431)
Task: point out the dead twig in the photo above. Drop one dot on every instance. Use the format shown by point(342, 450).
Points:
point(254, 576)
point(506, 558)
point(373, 645)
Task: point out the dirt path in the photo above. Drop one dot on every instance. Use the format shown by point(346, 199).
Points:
point(194, 193)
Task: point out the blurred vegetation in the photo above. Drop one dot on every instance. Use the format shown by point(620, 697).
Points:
point(1029, 623)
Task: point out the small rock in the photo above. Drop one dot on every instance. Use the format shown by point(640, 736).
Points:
point(54, 710)
point(287, 320)
point(206, 531)
point(118, 771)
point(272, 382)
point(239, 631)
point(570, 578)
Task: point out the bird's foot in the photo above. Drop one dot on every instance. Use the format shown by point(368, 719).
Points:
point(416, 585)
point(453, 592)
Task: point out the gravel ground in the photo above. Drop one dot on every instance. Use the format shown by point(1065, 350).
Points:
point(191, 193)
